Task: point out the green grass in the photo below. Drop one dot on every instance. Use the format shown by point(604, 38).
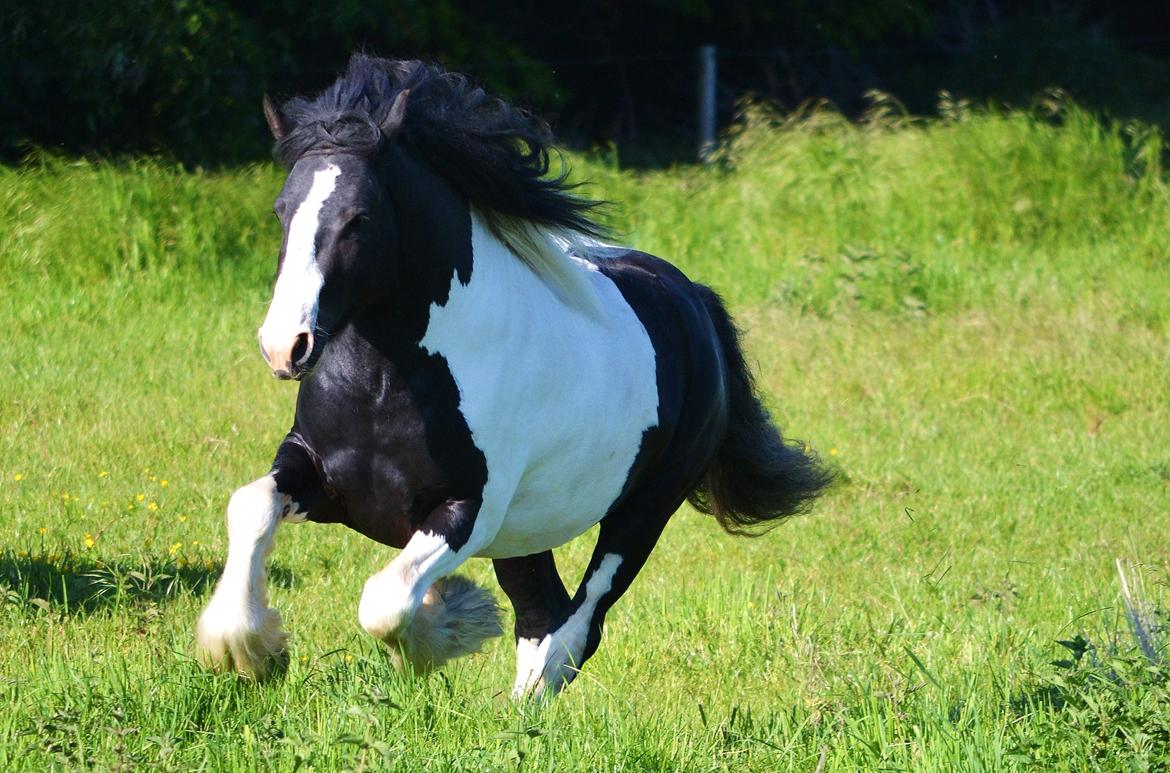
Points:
point(969, 318)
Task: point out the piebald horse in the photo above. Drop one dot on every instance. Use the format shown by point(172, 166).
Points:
point(480, 376)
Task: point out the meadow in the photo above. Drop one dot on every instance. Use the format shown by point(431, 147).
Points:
point(968, 317)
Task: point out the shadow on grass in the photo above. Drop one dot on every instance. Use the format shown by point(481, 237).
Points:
point(79, 584)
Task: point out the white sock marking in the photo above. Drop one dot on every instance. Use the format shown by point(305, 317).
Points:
point(237, 625)
point(560, 654)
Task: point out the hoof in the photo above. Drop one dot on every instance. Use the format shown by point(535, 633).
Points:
point(254, 649)
point(455, 618)
point(543, 669)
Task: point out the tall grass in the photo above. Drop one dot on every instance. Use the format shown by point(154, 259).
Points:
point(808, 209)
point(893, 213)
point(968, 317)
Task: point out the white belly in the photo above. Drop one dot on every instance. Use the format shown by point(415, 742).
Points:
point(556, 398)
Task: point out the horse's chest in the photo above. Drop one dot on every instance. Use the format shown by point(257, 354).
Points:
point(390, 438)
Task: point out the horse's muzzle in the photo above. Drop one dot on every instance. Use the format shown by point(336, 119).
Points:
point(289, 359)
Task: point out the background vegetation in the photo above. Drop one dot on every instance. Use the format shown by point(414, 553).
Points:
point(968, 316)
point(182, 78)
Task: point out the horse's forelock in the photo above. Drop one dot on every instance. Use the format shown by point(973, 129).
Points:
point(349, 131)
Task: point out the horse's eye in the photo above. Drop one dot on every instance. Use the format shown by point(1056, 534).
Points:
point(355, 224)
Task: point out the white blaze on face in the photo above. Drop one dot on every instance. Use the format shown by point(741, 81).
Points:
point(298, 288)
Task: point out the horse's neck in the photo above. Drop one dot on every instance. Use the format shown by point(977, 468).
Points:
point(445, 241)
point(434, 230)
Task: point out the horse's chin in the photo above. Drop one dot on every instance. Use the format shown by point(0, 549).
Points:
point(297, 374)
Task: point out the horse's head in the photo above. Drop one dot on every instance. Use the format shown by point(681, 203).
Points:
point(338, 225)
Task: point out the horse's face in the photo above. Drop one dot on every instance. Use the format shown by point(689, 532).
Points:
point(338, 230)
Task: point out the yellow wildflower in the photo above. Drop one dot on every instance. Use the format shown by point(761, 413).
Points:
point(164, 482)
point(90, 541)
point(104, 474)
point(832, 452)
point(17, 476)
point(182, 517)
point(175, 548)
point(139, 497)
point(152, 506)
point(42, 531)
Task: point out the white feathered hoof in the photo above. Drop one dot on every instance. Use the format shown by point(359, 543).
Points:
point(251, 645)
point(455, 618)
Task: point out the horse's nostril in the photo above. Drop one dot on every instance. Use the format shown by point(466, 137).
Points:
point(301, 347)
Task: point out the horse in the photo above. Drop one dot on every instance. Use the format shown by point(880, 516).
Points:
point(480, 374)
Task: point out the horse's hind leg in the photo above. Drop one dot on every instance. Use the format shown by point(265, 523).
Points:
point(540, 600)
point(626, 537)
point(422, 615)
point(238, 630)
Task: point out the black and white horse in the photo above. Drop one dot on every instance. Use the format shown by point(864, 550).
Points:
point(480, 377)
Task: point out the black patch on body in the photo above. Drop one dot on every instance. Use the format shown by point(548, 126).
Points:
point(382, 416)
point(692, 414)
point(379, 414)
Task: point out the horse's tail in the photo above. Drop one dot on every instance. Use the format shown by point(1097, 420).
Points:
point(756, 475)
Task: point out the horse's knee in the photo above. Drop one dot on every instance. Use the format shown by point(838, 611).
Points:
point(253, 511)
point(452, 618)
point(387, 605)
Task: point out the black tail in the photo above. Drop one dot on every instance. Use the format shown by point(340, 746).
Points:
point(756, 475)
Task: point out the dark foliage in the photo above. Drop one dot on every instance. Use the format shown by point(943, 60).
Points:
point(184, 78)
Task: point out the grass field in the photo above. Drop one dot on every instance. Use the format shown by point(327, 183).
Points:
point(969, 318)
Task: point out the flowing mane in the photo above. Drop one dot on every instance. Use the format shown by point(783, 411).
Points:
point(494, 154)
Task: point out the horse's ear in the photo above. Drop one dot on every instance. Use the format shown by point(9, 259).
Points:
point(392, 123)
point(277, 123)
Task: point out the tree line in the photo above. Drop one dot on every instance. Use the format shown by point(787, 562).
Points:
point(183, 78)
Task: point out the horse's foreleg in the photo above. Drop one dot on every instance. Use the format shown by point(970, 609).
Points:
point(419, 612)
point(238, 630)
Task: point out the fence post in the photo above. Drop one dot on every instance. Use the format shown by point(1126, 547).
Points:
point(706, 101)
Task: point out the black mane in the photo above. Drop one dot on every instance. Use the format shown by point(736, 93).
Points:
point(494, 154)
